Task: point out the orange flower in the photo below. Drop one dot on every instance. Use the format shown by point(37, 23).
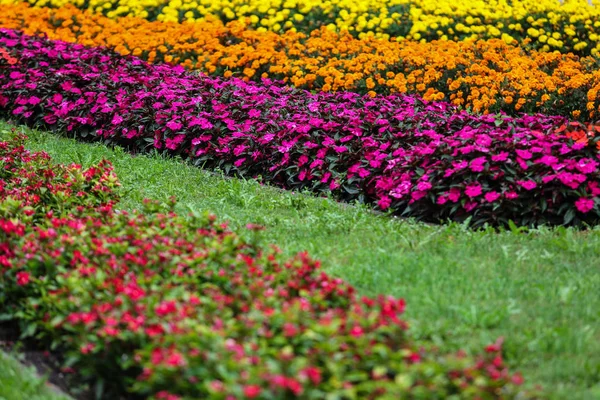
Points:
point(486, 71)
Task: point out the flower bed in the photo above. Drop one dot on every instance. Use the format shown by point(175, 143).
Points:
point(548, 25)
point(155, 305)
point(485, 76)
point(426, 160)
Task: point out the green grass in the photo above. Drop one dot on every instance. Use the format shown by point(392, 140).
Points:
point(539, 290)
point(21, 383)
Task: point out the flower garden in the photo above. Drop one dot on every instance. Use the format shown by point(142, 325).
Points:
point(475, 117)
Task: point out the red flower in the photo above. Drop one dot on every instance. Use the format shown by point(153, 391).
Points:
point(312, 373)
point(251, 391)
point(166, 307)
point(175, 359)
point(22, 278)
point(357, 331)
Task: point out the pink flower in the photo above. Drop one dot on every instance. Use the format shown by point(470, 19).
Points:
point(473, 190)
point(585, 204)
point(492, 196)
point(527, 185)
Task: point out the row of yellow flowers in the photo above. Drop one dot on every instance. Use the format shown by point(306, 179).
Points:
point(486, 76)
point(547, 25)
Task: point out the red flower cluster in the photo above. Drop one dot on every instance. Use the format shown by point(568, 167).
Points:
point(163, 306)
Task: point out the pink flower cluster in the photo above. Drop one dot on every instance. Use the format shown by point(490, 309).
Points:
point(426, 160)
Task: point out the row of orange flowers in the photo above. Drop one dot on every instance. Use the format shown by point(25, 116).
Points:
point(485, 76)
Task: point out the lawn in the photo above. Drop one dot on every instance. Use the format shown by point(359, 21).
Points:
point(21, 383)
point(538, 289)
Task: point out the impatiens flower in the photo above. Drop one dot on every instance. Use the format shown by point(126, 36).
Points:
point(22, 278)
point(424, 185)
point(470, 206)
point(166, 307)
point(473, 190)
point(174, 125)
point(585, 204)
point(478, 164)
point(254, 113)
point(490, 197)
point(384, 202)
point(356, 331)
point(252, 391)
point(175, 359)
point(524, 154)
point(527, 185)
point(454, 195)
point(587, 166)
point(313, 374)
point(503, 156)
point(417, 195)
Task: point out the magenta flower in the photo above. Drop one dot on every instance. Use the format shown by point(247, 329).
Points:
point(384, 203)
point(473, 190)
point(454, 195)
point(117, 119)
point(490, 197)
point(174, 125)
point(470, 206)
point(527, 185)
point(524, 154)
point(478, 164)
point(585, 204)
